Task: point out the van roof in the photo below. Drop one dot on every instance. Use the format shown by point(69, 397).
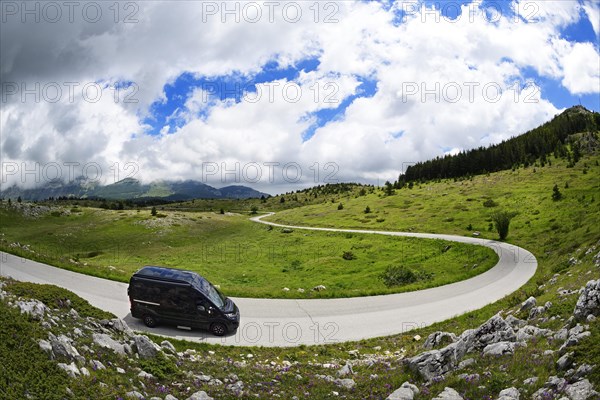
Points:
point(165, 273)
point(172, 274)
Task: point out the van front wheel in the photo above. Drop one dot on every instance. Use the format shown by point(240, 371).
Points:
point(218, 329)
point(150, 321)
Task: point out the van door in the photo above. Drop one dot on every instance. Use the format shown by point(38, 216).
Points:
point(205, 312)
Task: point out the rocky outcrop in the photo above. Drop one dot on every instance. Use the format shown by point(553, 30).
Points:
point(106, 341)
point(35, 308)
point(437, 339)
point(588, 302)
point(436, 363)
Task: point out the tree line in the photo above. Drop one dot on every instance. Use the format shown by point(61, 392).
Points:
point(550, 138)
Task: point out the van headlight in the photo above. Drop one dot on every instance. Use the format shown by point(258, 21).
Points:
point(231, 315)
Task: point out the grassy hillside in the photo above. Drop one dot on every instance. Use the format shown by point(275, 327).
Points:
point(542, 224)
point(244, 258)
point(564, 235)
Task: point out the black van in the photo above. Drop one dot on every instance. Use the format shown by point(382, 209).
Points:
point(183, 298)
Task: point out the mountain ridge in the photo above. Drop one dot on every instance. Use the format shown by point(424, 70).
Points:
point(131, 189)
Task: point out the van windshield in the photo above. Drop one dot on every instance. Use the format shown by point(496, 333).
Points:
point(210, 291)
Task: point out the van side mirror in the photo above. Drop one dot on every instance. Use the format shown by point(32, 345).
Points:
point(200, 307)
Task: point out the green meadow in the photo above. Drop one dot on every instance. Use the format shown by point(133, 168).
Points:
point(242, 257)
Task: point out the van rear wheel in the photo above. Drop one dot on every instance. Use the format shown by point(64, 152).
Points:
point(218, 329)
point(150, 321)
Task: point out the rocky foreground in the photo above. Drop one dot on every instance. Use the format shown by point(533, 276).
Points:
point(88, 347)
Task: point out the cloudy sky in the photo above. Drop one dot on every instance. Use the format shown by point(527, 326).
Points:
point(280, 95)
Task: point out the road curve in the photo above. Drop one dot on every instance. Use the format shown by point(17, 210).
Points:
point(286, 322)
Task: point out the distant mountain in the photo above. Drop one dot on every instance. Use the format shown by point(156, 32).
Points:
point(240, 192)
point(131, 188)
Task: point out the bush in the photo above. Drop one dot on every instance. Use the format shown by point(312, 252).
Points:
point(397, 275)
point(348, 255)
point(489, 203)
point(556, 194)
point(501, 221)
point(159, 366)
point(254, 210)
point(340, 206)
point(367, 210)
point(153, 212)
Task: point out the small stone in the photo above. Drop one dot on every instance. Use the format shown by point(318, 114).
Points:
point(416, 338)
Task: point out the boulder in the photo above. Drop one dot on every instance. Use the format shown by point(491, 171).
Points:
point(515, 322)
point(529, 331)
point(528, 304)
point(536, 312)
point(494, 330)
point(346, 383)
point(70, 369)
point(62, 347)
point(581, 390)
point(588, 302)
point(406, 391)
point(35, 308)
point(565, 362)
point(439, 338)
point(499, 349)
point(96, 365)
point(106, 341)
point(435, 363)
point(46, 347)
point(448, 394)
point(509, 394)
point(146, 348)
point(166, 345)
point(345, 370)
point(201, 395)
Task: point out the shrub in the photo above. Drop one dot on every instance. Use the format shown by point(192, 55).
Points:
point(398, 275)
point(254, 210)
point(153, 212)
point(340, 206)
point(489, 203)
point(367, 210)
point(348, 255)
point(556, 194)
point(159, 366)
point(502, 222)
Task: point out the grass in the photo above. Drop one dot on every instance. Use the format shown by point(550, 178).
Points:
point(556, 232)
point(244, 258)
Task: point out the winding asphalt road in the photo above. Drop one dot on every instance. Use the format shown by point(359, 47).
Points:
point(283, 322)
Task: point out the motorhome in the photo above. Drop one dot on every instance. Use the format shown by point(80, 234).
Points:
point(183, 298)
